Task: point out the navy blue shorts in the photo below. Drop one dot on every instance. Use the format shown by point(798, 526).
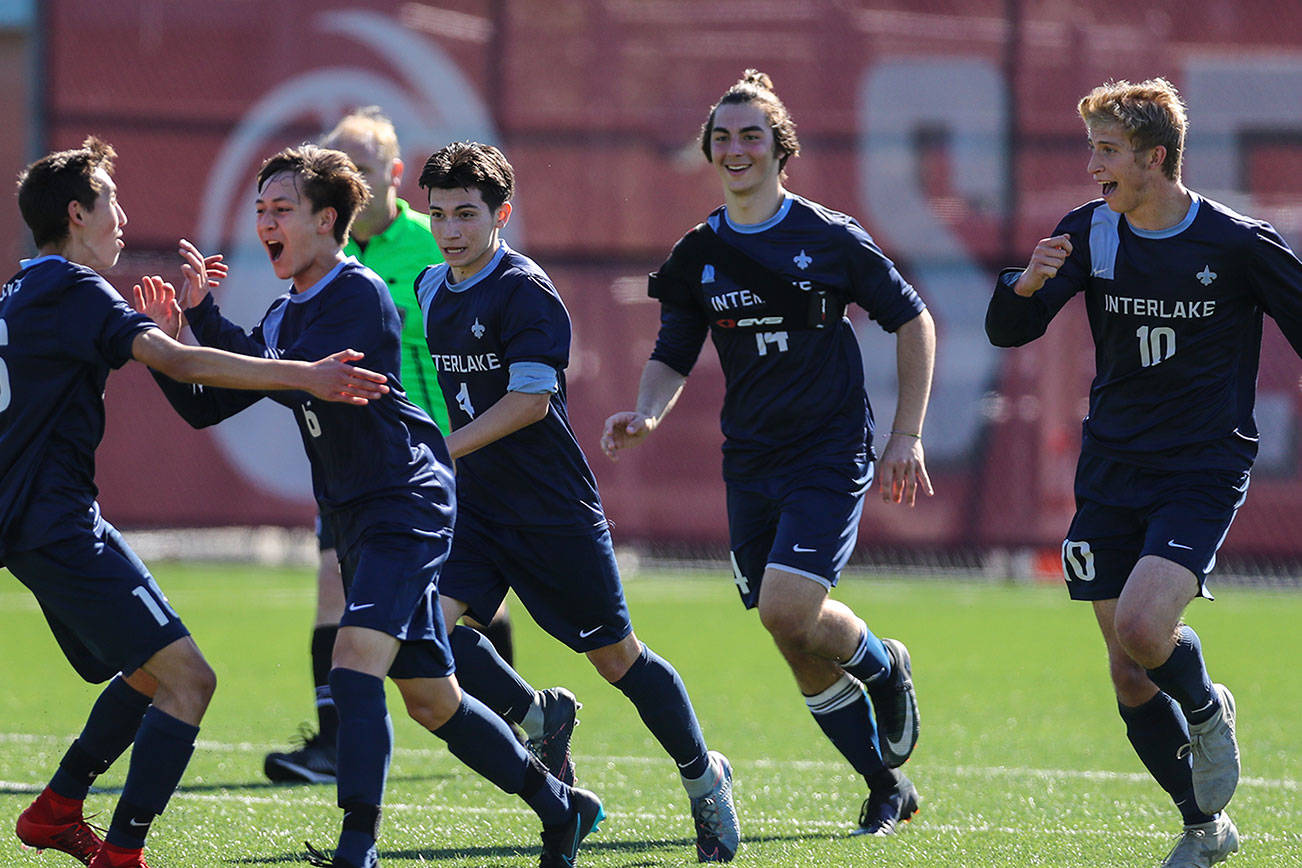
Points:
point(104, 608)
point(391, 583)
point(1124, 512)
point(568, 582)
point(805, 523)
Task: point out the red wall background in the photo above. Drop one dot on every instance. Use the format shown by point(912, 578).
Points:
point(947, 127)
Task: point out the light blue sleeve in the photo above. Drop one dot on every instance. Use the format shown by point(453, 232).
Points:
point(533, 378)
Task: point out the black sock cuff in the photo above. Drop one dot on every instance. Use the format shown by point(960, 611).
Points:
point(361, 817)
point(635, 671)
point(1158, 706)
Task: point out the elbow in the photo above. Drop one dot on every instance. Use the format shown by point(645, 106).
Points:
point(538, 408)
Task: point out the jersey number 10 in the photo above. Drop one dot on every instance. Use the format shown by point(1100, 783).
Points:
point(1155, 345)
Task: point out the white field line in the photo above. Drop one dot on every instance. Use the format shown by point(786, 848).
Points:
point(434, 753)
point(755, 824)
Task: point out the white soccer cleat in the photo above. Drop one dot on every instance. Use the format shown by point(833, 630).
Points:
point(1215, 756)
point(1204, 845)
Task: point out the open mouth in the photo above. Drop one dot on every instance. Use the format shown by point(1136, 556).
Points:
point(736, 170)
point(274, 250)
point(1109, 187)
point(450, 252)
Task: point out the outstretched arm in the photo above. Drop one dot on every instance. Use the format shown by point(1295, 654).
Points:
point(656, 395)
point(903, 467)
point(331, 378)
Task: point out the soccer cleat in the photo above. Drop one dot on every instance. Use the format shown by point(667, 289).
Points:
point(718, 834)
point(561, 843)
point(322, 860)
point(1215, 756)
point(559, 718)
point(313, 762)
point(110, 856)
point(1204, 845)
point(897, 713)
point(75, 837)
point(883, 812)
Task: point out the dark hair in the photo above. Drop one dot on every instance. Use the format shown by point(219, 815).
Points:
point(1150, 112)
point(472, 165)
point(756, 87)
point(329, 180)
point(47, 186)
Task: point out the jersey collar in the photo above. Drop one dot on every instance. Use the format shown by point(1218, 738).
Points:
point(25, 264)
point(479, 275)
point(311, 292)
point(1175, 230)
point(753, 228)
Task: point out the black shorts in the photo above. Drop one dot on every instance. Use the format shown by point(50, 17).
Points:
point(1124, 512)
point(104, 608)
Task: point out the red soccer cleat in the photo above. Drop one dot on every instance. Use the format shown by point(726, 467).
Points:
point(110, 856)
point(55, 823)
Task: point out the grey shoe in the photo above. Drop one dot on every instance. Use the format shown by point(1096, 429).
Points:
point(1204, 845)
point(718, 834)
point(897, 715)
point(1215, 756)
point(560, 710)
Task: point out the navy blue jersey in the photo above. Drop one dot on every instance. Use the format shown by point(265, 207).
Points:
point(481, 333)
point(794, 399)
point(382, 465)
point(62, 329)
point(1176, 317)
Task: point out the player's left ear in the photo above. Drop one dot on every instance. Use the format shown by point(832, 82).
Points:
point(503, 215)
point(395, 173)
point(325, 220)
point(1157, 157)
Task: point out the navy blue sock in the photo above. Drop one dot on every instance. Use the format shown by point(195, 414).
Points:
point(483, 673)
point(365, 737)
point(109, 730)
point(323, 648)
point(163, 747)
point(361, 828)
point(870, 662)
point(843, 713)
point(1158, 732)
point(1184, 678)
point(654, 688)
point(481, 740)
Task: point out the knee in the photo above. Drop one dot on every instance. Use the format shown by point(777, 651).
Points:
point(1130, 682)
point(431, 709)
point(613, 662)
point(1145, 641)
point(193, 686)
point(790, 629)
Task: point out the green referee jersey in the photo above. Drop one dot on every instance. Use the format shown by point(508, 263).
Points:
point(398, 254)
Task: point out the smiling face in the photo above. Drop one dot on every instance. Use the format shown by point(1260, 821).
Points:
point(299, 242)
point(96, 234)
point(465, 228)
point(742, 151)
point(1127, 176)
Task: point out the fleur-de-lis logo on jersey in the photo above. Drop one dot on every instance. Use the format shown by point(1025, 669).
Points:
point(1206, 276)
point(478, 329)
point(707, 274)
point(802, 261)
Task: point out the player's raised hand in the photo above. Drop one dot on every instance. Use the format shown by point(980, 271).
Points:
point(335, 379)
point(625, 430)
point(1046, 259)
point(904, 470)
point(195, 270)
point(156, 299)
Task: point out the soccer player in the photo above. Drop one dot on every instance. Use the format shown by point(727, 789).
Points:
point(62, 329)
point(384, 485)
point(1175, 286)
point(530, 517)
point(392, 240)
point(768, 275)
